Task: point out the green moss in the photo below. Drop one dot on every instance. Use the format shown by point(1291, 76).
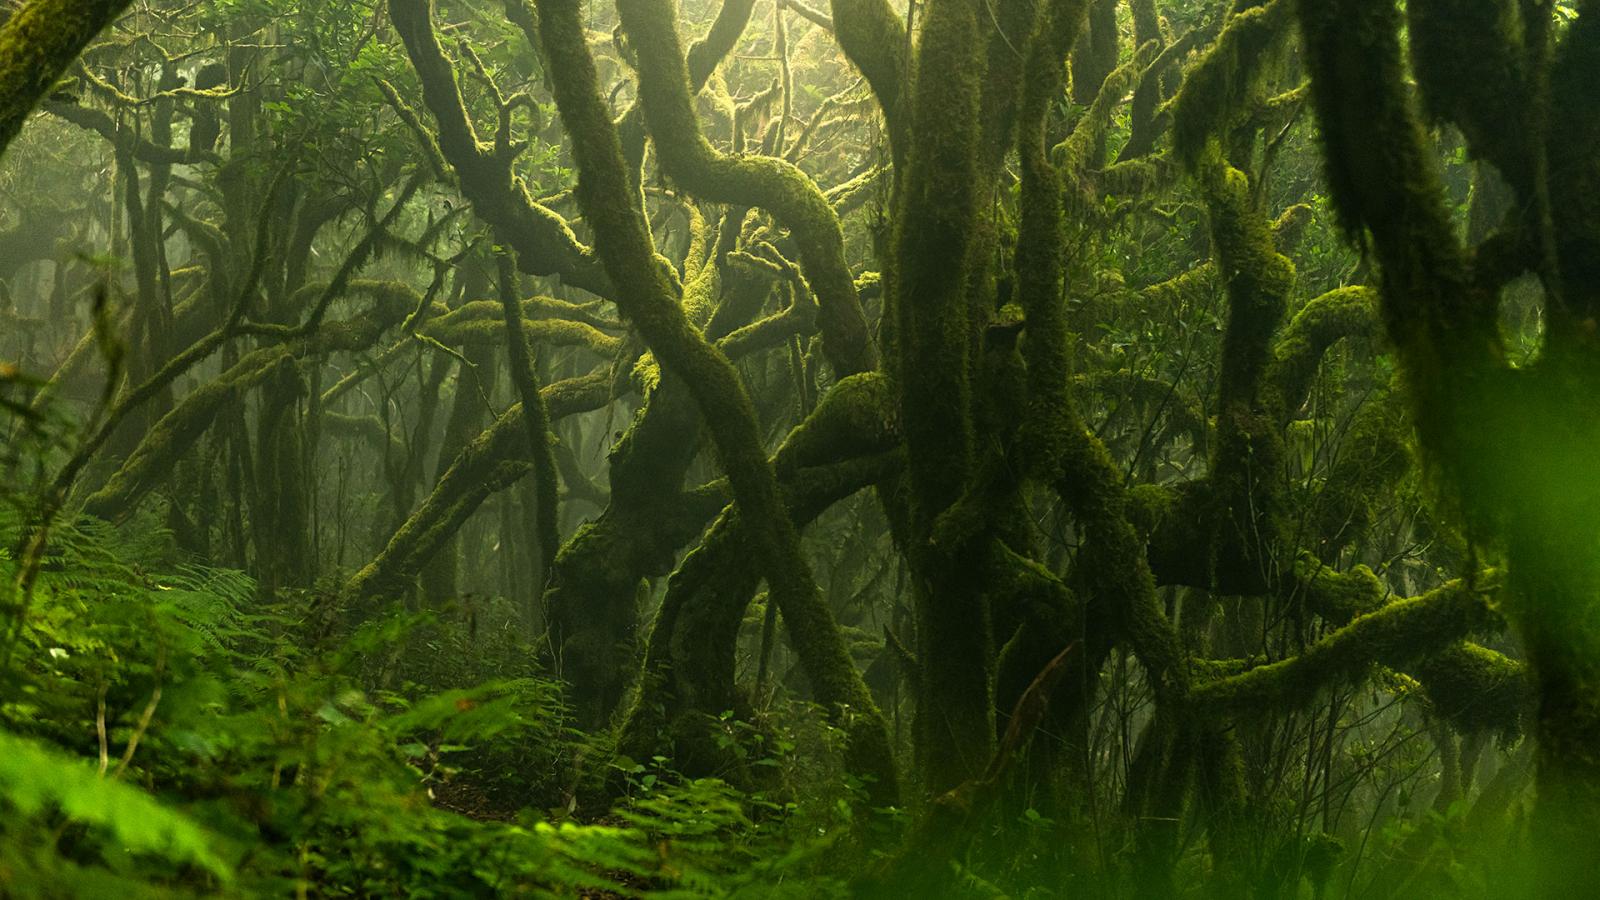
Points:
point(1185, 291)
point(1476, 689)
point(1336, 596)
point(1137, 178)
point(1443, 323)
point(873, 36)
point(1395, 635)
point(937, 226)
point(1383, 181)
point(1221, 89)
point(595, 314)
point(701, 243)
point(1218, 95)
point(856, 415)
point(1348, 312)
point(1040, 272)
point(701, 291)
point(37, 44)
point(771, 184)
point(1148, 504)
point(1035, 609)
point(645, 297)
point(1142, 112)
point(480, 322)
point(690, 661)
point(933, 231)
point(1113, 569)
point(703, 58)
point(1290, 226)
point(1248, 444)
point(1087, 141)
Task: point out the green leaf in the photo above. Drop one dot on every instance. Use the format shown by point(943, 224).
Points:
point(33, 779)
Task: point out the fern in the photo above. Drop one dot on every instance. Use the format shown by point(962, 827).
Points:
point(35, 780)
point(288, 742)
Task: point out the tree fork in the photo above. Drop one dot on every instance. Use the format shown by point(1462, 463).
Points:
point(646, 297)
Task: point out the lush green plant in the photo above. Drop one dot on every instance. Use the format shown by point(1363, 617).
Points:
point(236, 754)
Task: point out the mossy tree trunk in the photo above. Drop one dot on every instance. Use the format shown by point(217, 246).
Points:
point(1514, 445)
point(648, 298)
point(37, 44)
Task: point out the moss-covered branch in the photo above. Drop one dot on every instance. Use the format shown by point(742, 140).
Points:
point(37, 44)
point(1348, 312)
point(492, 461)
point(1222, 89)
point(481, 321)
point(647, 299)
point(1142, 126)
point(1470, 686)
point(873, 36)
point(175, 433)
point(1488, 428)
point(1039, 260)
point(495, 460)
point(544, 243)
point(845, 444)
point(703, 58)
point(689, 663)
point(1085, 146)
point(1383, 181)
point(1217, 95)
point(1396, 635)
point(774, 185)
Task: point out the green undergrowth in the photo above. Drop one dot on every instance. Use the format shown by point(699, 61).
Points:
point(166, 731)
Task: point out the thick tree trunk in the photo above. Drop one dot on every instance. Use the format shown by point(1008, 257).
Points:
point(37, 44)
point(1555, 586)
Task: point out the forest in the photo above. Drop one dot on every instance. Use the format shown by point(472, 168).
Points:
point(1107, 449)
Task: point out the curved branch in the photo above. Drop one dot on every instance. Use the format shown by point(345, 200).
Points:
point(1347, 312)
point(704, 57)
point(1394, 635)
point(774, 185)
point(480, 321)
point(544, 243)
point(873, 36)
point(646, 298)
point(172, 436)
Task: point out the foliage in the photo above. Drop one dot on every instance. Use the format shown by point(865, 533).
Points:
point(1096, 448)
point(294, 773)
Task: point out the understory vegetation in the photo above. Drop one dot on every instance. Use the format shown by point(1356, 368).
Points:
point(765, 448)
